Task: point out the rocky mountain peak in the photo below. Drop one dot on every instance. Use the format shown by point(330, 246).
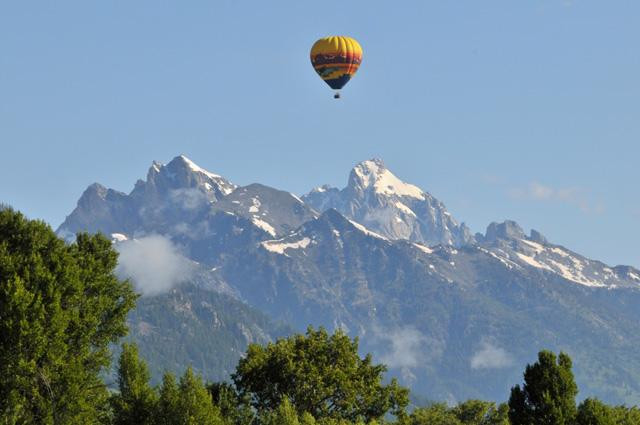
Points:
point(94, 191)
point(181, 177)
point(379, 200)
point(508, 229)
point(538, 237)
point(373, 175)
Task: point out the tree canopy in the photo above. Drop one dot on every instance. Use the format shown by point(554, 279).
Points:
point(548, 396)
point(60, 307)
point(320, 374)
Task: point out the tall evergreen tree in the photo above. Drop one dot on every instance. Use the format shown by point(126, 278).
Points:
point(195, 404)
point(60, 308)
point(548, 396)
point(186, 403)
point(169, 400)
point(136, 401)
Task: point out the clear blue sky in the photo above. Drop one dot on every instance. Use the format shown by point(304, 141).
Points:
point(527, 110)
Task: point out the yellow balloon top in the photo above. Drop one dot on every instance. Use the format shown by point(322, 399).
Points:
point(337, 45)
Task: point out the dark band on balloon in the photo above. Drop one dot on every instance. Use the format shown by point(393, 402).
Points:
point(338, 83)
point(326, 59)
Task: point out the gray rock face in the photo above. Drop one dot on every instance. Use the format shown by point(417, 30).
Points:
point(275, 211)
point(506, 230)
point(380, 201)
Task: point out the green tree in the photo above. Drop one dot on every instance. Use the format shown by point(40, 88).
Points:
point(478, 412)
point(284, 414)
point(186, 403)
point(435, 414)
point(594, 412)
point(169, 400)
point(471, 412)
point(234, 409)
point(548, 394)
point(60, 308)
point(625, 416)
point(135, 403)
point(319, 374)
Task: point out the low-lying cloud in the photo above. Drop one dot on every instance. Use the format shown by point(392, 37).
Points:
point(153, 263)
point(188, 198)
point(404, 347)
point(490, 356)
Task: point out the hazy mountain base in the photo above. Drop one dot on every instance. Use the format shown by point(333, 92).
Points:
point(197, 327)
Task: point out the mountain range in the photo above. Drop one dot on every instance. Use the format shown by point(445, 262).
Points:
point(454, 315)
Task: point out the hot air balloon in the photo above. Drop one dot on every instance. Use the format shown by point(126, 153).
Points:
point(336, 59)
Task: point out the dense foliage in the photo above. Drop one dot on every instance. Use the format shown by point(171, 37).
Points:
point(320, 374)
point(60, 308)
point(548, 395)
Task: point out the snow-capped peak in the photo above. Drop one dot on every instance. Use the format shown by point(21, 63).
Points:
point(382, 202)
point(194, 167)
point(373, 175)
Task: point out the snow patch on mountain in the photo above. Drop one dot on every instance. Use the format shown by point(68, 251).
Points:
point(423, 248)
point(366, 231)
point(264, 225)
point(255, 207)
point(402, 207)
point(279, 247)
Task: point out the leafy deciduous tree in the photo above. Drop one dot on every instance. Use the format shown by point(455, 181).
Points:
point(60, 308)
point(594, 412)
point(319, 374)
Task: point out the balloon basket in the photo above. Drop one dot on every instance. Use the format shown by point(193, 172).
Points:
point(336, 96)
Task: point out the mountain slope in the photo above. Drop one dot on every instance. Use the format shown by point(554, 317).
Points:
point(193, 326)
point(275, 211)
point(437, 316)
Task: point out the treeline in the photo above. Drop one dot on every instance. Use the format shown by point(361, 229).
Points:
point(61, 307)
point(319, 378)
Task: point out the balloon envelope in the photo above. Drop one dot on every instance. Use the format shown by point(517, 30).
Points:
point(336, 59)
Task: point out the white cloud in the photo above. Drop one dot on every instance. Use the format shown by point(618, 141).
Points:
point(536, 191)
point(403, 347)
point(153, 263)
point(490, 356)
point(188, 198)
